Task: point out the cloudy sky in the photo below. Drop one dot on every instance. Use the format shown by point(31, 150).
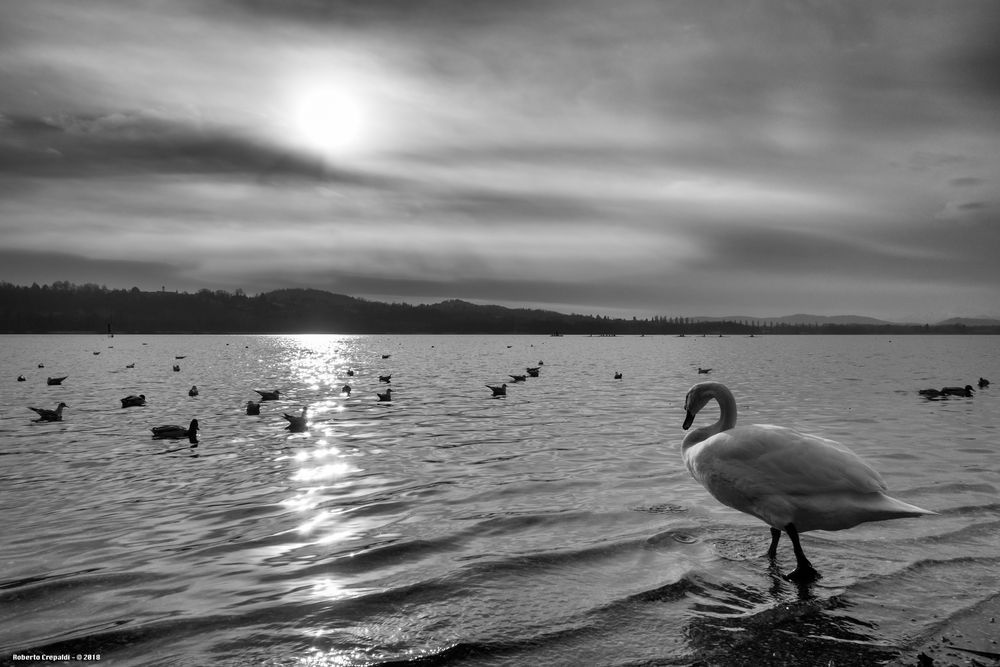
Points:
point(636, 157)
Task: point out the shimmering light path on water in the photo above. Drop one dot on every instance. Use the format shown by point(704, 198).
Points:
point(556, 525)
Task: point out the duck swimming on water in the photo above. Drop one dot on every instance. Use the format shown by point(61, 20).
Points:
point(174, 432)
point(134, 401)
point(46, 415)
point(297, 423)
point(792, 481)
point(498, 390)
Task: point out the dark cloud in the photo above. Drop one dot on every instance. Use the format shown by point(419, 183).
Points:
point(816, 254)
point(136, 143)
point(24, 267)
point(966, 181)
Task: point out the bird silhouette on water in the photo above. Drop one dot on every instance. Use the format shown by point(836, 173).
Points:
point(133, 401)
point(175, 432)
point(297, 423)
point(46, 415)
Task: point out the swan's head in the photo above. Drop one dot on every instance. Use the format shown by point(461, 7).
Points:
point(698, 397)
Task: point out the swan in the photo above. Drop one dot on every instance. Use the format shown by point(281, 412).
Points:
point(134, 401)
point(498, 391)
point(174, 432)
point(271, 395)
point(253, 408)
point(297, 423)
point(386, 397)
point(46, 415)
point(792, 481)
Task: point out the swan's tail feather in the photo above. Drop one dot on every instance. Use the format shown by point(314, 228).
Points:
point(837, 512)
point(902, 509)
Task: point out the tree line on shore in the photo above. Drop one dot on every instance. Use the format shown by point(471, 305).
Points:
point(64, 307)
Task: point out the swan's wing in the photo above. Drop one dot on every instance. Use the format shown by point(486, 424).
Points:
point(763, 460)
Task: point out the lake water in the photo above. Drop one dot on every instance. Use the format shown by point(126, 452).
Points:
point(555, 526)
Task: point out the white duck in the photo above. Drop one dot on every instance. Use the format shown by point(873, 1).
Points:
point(791, 481)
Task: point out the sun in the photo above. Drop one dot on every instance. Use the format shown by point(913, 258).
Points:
point(330, 121)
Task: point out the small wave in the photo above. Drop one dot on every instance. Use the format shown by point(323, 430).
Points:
point(665, 508)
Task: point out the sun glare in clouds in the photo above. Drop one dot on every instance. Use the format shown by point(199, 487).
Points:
point(330, 120)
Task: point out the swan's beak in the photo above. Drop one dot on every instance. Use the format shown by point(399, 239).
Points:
point(688, 420)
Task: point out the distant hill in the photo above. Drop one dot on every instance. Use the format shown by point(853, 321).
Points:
point(969, 322)
point(65, 307)
point(804, 319)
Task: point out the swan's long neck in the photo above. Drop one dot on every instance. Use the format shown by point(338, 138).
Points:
point(727, 416)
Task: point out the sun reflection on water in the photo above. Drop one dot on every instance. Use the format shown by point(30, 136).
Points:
point(320, 360)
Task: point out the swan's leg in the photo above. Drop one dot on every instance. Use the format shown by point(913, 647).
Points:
point(772, 551)
point(804, 571)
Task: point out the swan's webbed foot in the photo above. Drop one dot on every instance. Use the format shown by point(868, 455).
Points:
point(804, 571)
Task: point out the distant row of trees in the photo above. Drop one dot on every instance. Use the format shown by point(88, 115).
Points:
point(65, 307)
